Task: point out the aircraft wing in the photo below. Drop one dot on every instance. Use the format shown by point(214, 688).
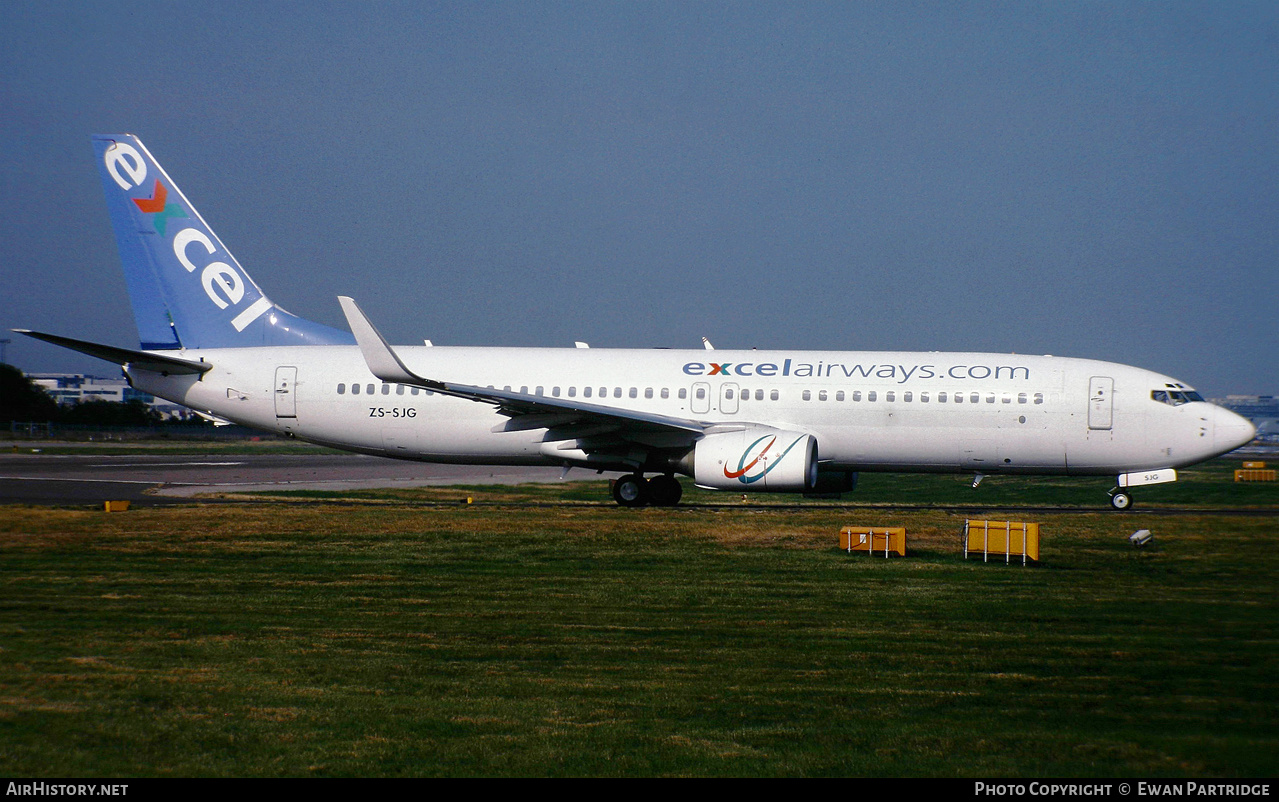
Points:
point(527, 411)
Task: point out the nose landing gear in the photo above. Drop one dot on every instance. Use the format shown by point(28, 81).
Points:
point(1120, 499)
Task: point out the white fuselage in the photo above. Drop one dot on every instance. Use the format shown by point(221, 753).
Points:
point(869, 411)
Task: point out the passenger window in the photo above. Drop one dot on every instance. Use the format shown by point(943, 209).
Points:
point(701, 393)
point(808, 395)
point(368, 388)
point(839, 395)
point(1021, 398)
point(555, 391)
point(413, 390)
point(617, 392)
point(399, 389)
point(976, 397)
point(773, 395)
point(871, 396)
point(906, 396)
point(728, 393)
point(923, 398)
point(572, 392)
point(759, 395)
point(890, 396)
point(990, 398)
point(683, 393)
point(1039, 398)
point(586, 392)
point(538, 391)
point(857, 395)
point(386, 389)
point(821, 395)
point(941, 398)
point(342, 388)
point(633, 393)
point(648, 392)
point(666, 393)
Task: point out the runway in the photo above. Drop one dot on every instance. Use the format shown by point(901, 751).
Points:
point(160, 478)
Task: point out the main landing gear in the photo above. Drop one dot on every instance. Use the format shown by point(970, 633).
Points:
point(633, 490)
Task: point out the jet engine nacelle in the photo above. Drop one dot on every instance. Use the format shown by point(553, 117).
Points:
point(756, 459)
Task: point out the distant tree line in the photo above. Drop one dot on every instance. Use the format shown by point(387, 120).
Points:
point(25, 401)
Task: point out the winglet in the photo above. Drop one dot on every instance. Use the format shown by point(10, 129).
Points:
point(382, 361)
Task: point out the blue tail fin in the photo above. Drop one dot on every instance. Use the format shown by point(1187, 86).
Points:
point(186, 288)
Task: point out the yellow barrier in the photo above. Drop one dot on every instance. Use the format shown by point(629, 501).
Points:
point(874, 540)
point(1254, 475)
point(1254, 464)
point(116, 506)
point(1008, 538)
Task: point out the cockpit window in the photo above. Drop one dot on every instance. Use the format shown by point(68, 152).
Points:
point(1175, 398)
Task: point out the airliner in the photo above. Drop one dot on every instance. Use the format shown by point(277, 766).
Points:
point(789, 421)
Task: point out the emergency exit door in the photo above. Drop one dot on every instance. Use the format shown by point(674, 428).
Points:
point(1101, 402)
point(728, 398)
point(286, 397)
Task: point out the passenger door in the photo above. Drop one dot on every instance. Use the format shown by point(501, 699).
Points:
point(1101, 403)
point(286, 379)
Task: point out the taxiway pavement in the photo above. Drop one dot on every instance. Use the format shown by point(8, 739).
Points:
point(158, 478)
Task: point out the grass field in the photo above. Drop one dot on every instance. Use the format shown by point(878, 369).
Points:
point(336, 638)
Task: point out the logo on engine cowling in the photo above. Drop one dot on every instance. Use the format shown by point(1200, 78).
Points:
point(751, 469)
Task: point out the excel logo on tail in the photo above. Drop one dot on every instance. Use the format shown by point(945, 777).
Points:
point(156, 205)
point(759, 459)
point(223, 282)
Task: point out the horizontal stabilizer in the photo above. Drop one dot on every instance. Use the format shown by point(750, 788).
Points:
point(214, 419)
point(168, 365)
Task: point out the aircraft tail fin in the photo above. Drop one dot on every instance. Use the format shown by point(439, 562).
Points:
point(186, 288)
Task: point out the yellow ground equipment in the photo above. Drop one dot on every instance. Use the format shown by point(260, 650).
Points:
point(1007, 538)
point(874, 539)
point(1254, 472)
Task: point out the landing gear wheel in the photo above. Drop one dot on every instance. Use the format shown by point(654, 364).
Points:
point(630, 490)
point(1120, 500)
point(664, 491)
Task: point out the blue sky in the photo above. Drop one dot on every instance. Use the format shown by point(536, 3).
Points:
point(1081, 179)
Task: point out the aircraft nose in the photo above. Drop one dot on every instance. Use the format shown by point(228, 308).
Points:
point(1230, 431)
